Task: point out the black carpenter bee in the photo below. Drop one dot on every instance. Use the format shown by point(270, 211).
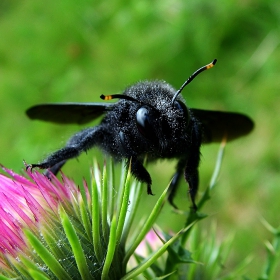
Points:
point(150, 119)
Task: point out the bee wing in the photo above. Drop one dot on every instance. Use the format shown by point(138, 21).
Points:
point(216, 125)
point(68, 113)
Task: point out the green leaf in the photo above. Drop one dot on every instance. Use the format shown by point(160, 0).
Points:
point(124, 205)
point(148, 273)
point(96, 231)
point(135, 197)
point(151, 259)
point(85, 217)
point(38, 275)
point(4, 278)
point(75, 244)
point(28, 265)
point(147, 225)
point(273, 252)
point(111, 202)
point(111, 250)
point(46, 256)
point(104, 204)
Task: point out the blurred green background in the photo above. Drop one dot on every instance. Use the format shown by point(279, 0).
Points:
point(59, 51)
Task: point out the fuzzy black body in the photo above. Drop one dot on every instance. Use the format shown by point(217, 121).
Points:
point(149, 124)
point(167, 134)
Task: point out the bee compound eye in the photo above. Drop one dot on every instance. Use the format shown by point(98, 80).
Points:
point(180, 106)
point(183, 108)
point(144, 121)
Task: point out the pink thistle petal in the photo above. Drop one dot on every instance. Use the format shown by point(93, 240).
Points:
point(10, 220)
point(54, 186)
point(12, 240)
point(5, 248)
point(17, 208)
point(20, 179)
point(35, 207)
point(86, 189)
point(8, 183)
point(51, 200)
point(31, 204)
point(152, 240)
point(70, 185)
point(44, 182)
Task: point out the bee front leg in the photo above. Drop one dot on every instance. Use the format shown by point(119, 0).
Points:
point(80, 142)
point(141, 173)
point(54, 169)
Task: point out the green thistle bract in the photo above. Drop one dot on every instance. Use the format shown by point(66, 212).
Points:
point(53, 229)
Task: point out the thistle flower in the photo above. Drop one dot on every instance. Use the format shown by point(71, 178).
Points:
point(53, 229)
point(33, 217)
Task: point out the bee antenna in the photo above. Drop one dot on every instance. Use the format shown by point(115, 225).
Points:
point(120, 96)
point(203, 68)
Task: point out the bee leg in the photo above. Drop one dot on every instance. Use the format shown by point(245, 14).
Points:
point(191, 169)
point(54, 169)
point(192, 179)
point(175, 181)
point(81, 141)
point(141, 173)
